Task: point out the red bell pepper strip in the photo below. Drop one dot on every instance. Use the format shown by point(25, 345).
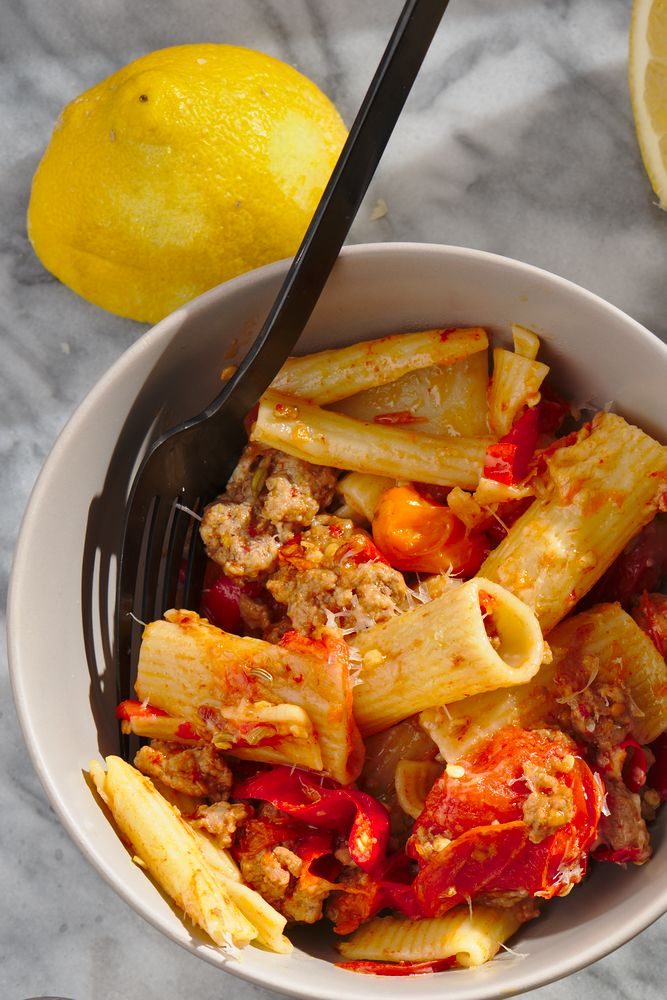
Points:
point(319, 802)
point(507, 461)
point(622, 856)
point(398, 968)
point(131, 709)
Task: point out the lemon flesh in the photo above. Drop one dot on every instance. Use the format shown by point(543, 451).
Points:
point(648, 88)
point(186, 168)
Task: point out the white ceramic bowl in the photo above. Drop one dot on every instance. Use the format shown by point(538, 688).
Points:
point(59, 627)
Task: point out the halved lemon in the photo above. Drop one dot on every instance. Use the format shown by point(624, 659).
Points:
point(648, 88)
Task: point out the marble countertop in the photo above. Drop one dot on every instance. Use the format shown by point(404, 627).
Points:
point(517, 138)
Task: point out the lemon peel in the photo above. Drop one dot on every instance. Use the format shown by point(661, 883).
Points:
point(187, 167)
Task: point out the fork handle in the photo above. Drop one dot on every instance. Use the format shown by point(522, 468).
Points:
point(310, 268)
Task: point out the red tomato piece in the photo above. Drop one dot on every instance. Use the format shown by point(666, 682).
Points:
point(507, 461)
point(371, 968)
point(493, 847)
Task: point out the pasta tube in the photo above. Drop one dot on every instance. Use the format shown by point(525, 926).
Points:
point(168, 848)
point(601, 491)
point(602, 646)
point(476, 637)
point(414, 780)
point(447, 400)
point(327, 438)
point(516, 382)
point(471, 936)
point(197, 672)
point(332, 375)
point(361, 491)
point(526, 342)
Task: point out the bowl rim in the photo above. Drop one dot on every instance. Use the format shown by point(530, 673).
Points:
point(20, 568)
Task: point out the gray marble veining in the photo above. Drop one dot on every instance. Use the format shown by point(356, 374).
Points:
point(517, 138)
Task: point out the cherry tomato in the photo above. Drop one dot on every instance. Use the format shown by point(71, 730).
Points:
point(416, 534)
point(491, 846)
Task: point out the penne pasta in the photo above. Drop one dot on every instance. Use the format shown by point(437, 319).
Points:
point(326, 438)
point(333, 375)
point(471, 936)
point(169, 850)
point(526, 342)
point(474, 638)
point(596, 500)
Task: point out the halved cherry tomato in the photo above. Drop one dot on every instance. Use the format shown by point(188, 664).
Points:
point(492, 848)
point(417, 534)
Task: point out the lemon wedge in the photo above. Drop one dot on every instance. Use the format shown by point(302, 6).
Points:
point(648, 88)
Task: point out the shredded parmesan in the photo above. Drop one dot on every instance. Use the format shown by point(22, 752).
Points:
point(566, 699)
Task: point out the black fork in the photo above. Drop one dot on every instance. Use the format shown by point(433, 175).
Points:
point(161, 563)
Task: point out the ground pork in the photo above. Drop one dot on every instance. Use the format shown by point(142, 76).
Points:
point(271, 866)
point(197, 771)
point(354, 903)
point(334, 568)
point(592, 710)
point(269, 496)
point(624, 828)
point(550, 803)
point(221, 820)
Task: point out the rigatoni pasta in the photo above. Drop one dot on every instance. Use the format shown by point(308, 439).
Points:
point(400, 535)
point(329, 376)
point(595, 500)
point(324, 437)
point(443, 651)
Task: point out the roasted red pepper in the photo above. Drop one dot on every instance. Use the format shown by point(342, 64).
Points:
point(507, 460)
point(398, 968)
point(320, 802)
point(487, 843)
point(131, 709)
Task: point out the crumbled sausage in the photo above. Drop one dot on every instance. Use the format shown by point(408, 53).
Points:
point(624, 828)
point(333, 568)
point(268, 863)
point(269, 496)
point(550, 802)
point(221, 819)
point(198, 771)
